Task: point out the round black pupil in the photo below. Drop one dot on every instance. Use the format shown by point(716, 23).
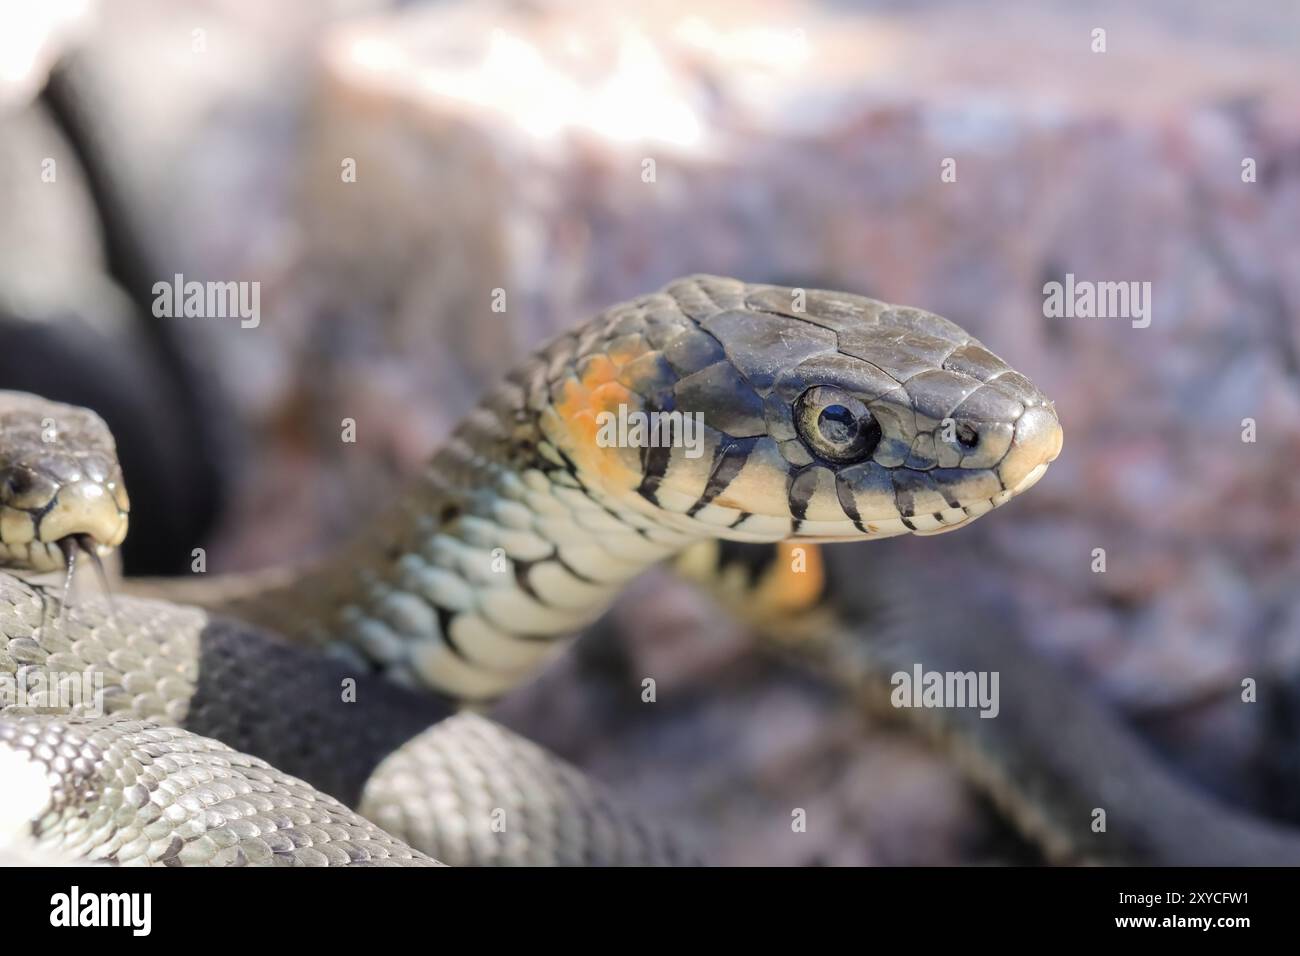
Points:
point(837, 424)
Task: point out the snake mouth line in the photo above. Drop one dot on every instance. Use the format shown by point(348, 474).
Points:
point(1001, 498)
point(41, 556)
point(984, 505)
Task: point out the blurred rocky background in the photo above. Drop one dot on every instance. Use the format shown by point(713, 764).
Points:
point(382, 168)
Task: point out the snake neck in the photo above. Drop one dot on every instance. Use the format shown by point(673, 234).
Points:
point(474, 578)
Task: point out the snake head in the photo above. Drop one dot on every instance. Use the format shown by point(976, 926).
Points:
point(821, 415)
point(60, 483)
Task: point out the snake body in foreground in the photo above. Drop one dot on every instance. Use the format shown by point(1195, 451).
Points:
point(710, 411)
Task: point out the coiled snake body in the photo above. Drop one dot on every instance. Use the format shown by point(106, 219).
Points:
point(712, 410)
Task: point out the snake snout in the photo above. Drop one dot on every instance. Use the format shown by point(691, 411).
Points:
point(60, 483)
point(41, 516)
point(1034, 445)
point(86, 508)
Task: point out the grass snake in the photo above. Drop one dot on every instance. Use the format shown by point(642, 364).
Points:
point(823, 417)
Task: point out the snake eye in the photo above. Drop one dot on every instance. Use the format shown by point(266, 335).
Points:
point(22, 488)
point(836, 425)
point(16, 482)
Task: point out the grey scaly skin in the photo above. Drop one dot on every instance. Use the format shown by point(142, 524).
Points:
point(825, 417)
point(131, 792)
point(173, 681)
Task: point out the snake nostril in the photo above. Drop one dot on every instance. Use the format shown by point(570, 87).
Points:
point(967, 436)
